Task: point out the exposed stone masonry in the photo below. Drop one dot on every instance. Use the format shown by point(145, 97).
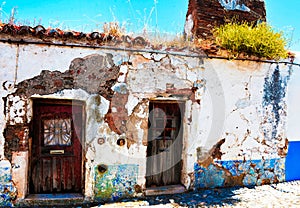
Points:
point(207, 14)
point(94, 74)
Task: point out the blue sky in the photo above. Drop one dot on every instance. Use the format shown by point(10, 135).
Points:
point(163, 15)
point(135, 15)
point(284, 16)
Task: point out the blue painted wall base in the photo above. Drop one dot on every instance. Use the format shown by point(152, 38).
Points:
point(8, 192)
point(118, 181)
point(240, 173)
point(292, 165)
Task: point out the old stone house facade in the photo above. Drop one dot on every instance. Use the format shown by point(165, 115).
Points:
point(93, 117)
point(110, 122)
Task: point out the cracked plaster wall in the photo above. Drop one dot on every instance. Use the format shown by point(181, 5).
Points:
point(254, 129)
point(228, 106)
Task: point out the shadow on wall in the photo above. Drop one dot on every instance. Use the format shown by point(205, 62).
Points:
point(292, 168)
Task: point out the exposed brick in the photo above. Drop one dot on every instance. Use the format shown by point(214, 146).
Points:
point(117, 120)
point(207, 14)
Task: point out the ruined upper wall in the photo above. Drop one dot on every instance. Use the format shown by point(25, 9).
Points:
point(206, 14)
point(55, 36)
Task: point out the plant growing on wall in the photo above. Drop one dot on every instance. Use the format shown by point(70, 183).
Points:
point(260, 40)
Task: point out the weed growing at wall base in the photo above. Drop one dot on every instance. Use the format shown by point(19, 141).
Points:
point(260, 40)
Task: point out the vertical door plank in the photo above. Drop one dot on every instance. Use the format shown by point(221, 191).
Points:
point(57, 173)
point(166, 147)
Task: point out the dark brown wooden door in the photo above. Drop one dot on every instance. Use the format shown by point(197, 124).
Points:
point(164, 143)
point(56, 158)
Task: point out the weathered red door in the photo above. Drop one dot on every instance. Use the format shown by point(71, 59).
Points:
point(56, 158)
point(164, 143)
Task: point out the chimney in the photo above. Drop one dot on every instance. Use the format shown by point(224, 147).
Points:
point(203, 15)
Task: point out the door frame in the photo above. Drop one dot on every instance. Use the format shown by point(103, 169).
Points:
point(182, 107)
point(58, 101)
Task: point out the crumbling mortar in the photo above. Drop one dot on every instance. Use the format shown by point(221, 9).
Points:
point(145, 57)
point(166, 61)
point(236, 180)
point(134, 119)
point(127, 64)
point(214, 153)
point(136, 108)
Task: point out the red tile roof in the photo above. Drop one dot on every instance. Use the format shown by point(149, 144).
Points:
point(55, 35)
point(40, 31)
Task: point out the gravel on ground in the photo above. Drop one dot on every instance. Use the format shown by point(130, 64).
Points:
point(274, 195)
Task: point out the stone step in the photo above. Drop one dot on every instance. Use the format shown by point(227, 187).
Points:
point(52, 199)
point(171, 189)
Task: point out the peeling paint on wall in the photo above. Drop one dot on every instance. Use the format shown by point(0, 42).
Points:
point(8, 192)
point(273, 102)
point(115, 181)
point(240, 173)
point(137, 124)
point(94, 74)
point(116, 117)
point(275, 108)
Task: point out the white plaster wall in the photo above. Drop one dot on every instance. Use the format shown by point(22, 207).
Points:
point(234, 102)
point(20, 172)
point(7, 80)
point(240, 106)
point(293, 102)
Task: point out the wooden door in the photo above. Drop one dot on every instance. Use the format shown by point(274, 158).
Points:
point(164, 144)
point(56, 158)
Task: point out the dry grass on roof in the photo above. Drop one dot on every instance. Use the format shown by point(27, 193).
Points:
point(229, 41)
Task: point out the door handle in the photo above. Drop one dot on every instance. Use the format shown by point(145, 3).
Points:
point(57, 152)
